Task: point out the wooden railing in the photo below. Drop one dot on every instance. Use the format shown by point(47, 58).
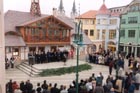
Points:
point(47, 39)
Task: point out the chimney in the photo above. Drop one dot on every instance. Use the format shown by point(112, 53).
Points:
point(55, 11)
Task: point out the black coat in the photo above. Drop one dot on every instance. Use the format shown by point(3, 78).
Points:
point(55, 90)
point(22, 86)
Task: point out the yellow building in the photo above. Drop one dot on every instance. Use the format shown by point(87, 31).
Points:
point(89, 27)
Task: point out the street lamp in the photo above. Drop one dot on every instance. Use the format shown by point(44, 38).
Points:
point(78, 40)
point(119, 36)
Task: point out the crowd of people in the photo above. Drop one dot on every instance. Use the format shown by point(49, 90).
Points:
point(50, 56)
point(129, 83)
point(122, 82)
point(9, 63)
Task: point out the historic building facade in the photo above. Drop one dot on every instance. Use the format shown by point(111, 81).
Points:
point(107, 26)
point(88, 20)
point(130, 29)
point(33, 31)
point(102, 27)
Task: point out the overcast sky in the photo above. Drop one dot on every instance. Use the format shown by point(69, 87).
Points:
point(47, 5)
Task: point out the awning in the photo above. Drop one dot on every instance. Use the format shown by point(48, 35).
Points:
point(13, 40)
point(111, 45)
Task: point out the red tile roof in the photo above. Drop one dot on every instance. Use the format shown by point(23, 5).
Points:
point(89, 14)
point(103, 10)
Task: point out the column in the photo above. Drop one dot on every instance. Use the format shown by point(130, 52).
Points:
point(132, 49)
point(2, 50)
point(126, 50)
point(100, 38)
point(106, 38)
point(135, 51)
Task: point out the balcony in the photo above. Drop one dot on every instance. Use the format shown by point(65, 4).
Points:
point(45, 39)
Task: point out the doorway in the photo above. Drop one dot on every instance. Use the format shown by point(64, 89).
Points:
point(53, 48)
point(41, 49)
point(32, 49)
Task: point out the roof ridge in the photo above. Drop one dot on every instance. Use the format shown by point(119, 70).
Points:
point(103, 10)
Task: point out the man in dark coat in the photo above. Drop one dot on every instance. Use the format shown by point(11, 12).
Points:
point(48, 56)
point(44, 86)
point(55, 89)
point(9, 86)
point(22, 87)
point(28, 86)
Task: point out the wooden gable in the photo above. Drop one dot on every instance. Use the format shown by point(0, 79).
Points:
point(50, 21)
point(48, 30)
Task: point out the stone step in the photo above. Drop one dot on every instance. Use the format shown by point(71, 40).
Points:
point(29, 70)
point(33, 68)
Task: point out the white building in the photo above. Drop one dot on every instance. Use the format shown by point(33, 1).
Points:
point(107, 26)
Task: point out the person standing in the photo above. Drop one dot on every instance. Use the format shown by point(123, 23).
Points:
point(9, 87)
point(55, 89)
point(64, 90)
point(64, 58)
point(38, 88)
point(28, 86)
point(6, 62)
point(131, 88)
point(12, 61)
point(30, 58)
point(99, 89)
point(44, 86)
point(111, 66)
point(15, 86)
point(22, 86)
point(137, 82)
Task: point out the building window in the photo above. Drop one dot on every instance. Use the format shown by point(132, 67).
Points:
point(134, 8)
point(56, 33)
point(44, 33)
point(103, 34)
point(123, 21)
point(50, 32)
point(122, 33)
point(98, 34)
point(112, 34)
point(132, 20)
point(15, 51)
point(104, 21)
point(98, 21)
point(91, 32)
point(86, 32)
point(64, 34)
point(9, 49)
point(92, 22)
point(131, 33)
point(86, 22)
point(113, 21)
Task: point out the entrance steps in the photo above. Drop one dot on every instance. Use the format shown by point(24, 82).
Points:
point(29, 69)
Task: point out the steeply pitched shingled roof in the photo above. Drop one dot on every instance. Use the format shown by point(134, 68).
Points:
point(13, 40)
point(103, 10)
point(15, 18)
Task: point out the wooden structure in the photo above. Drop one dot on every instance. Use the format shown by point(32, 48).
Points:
point(46, 31)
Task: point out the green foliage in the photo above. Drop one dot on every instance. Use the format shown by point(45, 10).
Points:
point(64, 70)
